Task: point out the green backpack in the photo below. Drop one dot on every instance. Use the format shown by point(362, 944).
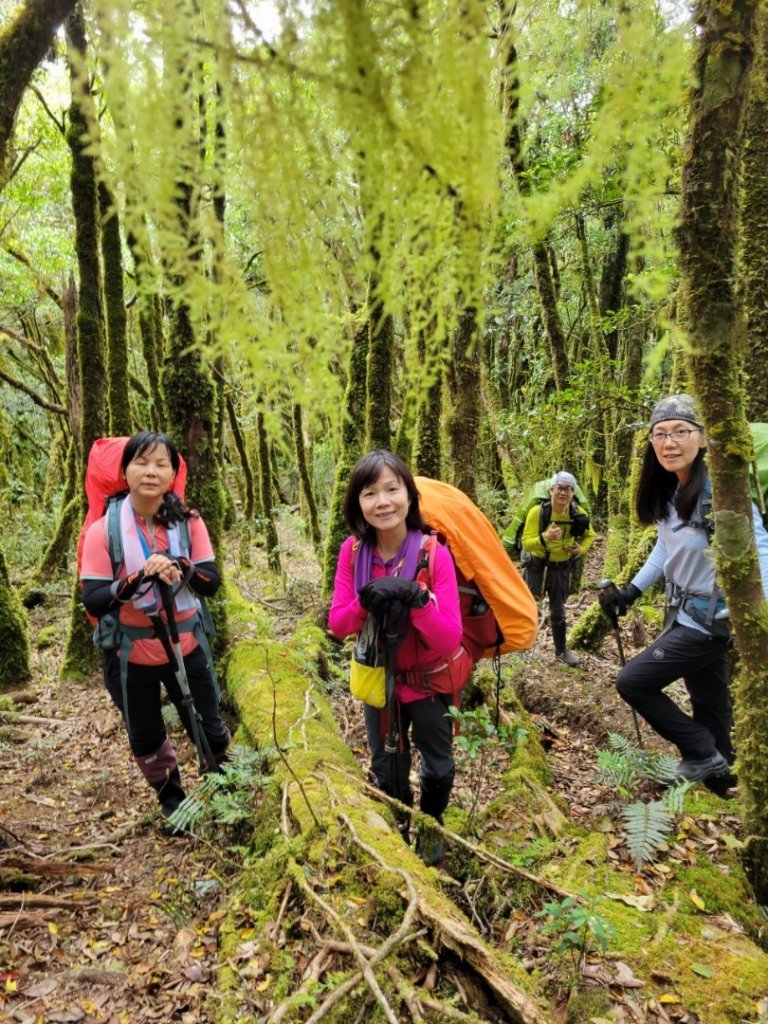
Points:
point(538, 494)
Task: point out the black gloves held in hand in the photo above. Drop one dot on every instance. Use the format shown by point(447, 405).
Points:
point(616, 600)
point(378, 596)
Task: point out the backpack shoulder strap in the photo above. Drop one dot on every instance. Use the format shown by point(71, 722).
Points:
point(425, 569)
point(545, 514)
point(114, 540)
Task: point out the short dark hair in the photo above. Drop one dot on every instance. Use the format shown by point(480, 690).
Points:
point(172, 510)
point(366, 471)
point(145, 441)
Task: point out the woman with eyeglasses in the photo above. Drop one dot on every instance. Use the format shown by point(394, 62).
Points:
point(675, 493)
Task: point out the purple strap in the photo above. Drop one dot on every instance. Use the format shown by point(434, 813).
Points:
point(405, 561)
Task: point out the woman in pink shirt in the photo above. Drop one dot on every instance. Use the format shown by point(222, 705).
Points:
point(375, 576)
point(153, 561)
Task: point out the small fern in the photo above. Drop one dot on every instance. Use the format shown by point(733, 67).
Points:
point(624, 767)
point(647, 826)
point(225, 798)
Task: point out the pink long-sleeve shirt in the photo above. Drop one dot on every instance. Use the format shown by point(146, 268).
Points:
point(433, 630)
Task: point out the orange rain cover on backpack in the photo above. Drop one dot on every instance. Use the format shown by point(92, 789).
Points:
point(480, 556)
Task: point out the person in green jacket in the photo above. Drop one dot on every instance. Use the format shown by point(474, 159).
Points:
point(556, 533)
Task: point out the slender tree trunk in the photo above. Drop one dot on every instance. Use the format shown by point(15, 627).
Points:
point(150, 327)
point(754, 257)
point(351, 446)
point(79, 658)
point(427, 456)
point(463, 419)
point(378, 410)
point(542, 267)
point(265, 489)
point(725, 45)
point(245, 463)
point(305, 478)
point(118, 392)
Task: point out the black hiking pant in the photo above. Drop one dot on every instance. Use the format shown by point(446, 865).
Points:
point(557, 585)
point(146, 727)
point(701, 661)
point(431, 732)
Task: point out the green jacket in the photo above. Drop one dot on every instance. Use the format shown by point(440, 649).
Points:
point(556, 550)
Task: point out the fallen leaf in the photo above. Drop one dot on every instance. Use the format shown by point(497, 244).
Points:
point(702, 970)
point(669, 997)
point(41, 988)
point(625, 976)
point(644, 903)
point(696, 900)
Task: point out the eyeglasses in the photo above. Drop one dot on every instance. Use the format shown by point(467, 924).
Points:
point(679, 436)
point(562, 487)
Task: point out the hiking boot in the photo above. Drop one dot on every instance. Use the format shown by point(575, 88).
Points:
point(699, 770)
point(568, 658)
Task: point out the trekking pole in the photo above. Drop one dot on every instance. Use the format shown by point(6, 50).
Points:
point(608, 589)
point(392, 738)
point(205, 755)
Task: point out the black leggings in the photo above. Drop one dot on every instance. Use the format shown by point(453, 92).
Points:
point(147, 729)
point(701, 661)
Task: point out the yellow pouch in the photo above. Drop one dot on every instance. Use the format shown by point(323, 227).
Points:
point(367, 683)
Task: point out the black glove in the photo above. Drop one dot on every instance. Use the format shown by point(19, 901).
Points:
point(616, 600)
point(378, 595)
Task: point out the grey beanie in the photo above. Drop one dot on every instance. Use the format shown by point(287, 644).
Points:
point(566, 479)
point(676, 407)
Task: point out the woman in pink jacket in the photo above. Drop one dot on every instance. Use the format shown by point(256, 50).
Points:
point(375, 576)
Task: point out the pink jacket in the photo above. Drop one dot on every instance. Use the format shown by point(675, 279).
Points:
point(433, 631)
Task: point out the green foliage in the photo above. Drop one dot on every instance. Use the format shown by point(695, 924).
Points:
point(226, 801)
point(624, 767)
point(576, 925)
point(479, 739)
point(647, 826)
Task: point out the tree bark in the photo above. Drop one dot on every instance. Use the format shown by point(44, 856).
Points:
point(725, 46)
point(265, 489)
point(754, 256)
point(305, 478)
point(22, 46)
point(14, 638)
point(378, 410)
point(463, 420)
point(118, 390)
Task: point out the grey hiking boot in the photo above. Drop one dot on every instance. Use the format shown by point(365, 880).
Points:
point(569, 658)
point(702, 769)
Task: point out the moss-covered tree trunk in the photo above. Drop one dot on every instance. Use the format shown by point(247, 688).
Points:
point(378, 409)
point(724, 49)
point(265, 491)
point(427, 449)
point(245, 462)
point(754, 261)
point(150, 325)
point(14, 639)
point(79, 657)
point(118, 394)
point(305, 478)
point(463, 419)
point(349, 453)
point(23, 45)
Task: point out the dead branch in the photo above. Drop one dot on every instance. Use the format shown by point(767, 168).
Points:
point(36, 899)
point(31, 393)
point(44, 868)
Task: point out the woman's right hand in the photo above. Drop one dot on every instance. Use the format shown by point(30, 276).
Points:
point(552, 532)
point(162, 568)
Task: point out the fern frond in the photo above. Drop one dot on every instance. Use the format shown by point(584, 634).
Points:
point(647, 826)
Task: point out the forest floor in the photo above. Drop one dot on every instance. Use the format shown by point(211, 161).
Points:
point(104, 918)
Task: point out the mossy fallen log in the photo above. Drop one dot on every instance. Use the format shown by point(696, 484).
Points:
point(335, 873)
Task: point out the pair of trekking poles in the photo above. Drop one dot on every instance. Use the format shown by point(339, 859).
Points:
point(167, 633)
point(607, 589)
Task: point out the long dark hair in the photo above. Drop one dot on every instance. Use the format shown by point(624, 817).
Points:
point(172, 510)
point(657, 487)
point(366, 471)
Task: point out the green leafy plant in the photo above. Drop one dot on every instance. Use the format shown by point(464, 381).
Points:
point(624, 767)
point(227, 798)
point(479, 738)
point(576, 925)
